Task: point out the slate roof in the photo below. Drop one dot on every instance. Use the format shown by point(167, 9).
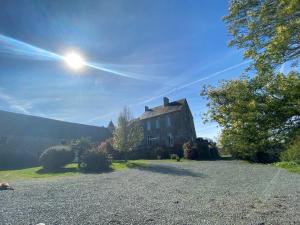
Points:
point(111, 125)
point(15, 124)
point(161, 110)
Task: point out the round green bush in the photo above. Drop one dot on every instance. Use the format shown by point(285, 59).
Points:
point(95, 160)
point(56, 157)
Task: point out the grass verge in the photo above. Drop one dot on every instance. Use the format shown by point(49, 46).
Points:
point(69, 170)
point(290, 166)
point(36, 172)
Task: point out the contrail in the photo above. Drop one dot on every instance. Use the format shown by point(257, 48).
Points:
point(18, 48)
point(172, 90)
point(193, 82)
point(106, 68)
point(12, 46)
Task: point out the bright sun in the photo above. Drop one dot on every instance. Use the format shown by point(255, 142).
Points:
point(74, 60)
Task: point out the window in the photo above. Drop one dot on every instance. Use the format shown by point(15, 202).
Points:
point(168, 121)
point(157, 124)
point(170, 140)
point(148, 125)
point(149, 140)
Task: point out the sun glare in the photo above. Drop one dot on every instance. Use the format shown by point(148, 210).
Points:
point(74, 60)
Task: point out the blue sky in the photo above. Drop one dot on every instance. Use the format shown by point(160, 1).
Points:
point(172, 47)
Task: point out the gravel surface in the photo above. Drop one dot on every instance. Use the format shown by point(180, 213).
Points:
point(205, 192)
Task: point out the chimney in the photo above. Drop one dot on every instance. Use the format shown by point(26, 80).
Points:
point(146, 108)
point(166, 101)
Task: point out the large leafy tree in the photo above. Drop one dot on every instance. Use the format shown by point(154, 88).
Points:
point(258, 115)
point(128, 133)
point(268, 30)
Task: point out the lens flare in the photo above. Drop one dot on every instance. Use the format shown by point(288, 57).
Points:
point(13, 47)
point(74, 60)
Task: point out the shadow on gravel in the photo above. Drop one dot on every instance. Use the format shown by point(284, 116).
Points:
point(170, 170)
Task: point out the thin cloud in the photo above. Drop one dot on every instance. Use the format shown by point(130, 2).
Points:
point(14, 103)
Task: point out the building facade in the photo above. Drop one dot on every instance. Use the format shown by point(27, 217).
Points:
point(32, 135)
point(168, 125)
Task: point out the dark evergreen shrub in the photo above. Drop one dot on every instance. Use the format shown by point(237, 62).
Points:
point(190, 151)
point(200, 149)
point(56, 157)
point(95, 160)
point(265, 157)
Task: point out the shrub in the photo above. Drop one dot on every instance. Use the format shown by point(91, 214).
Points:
point(190, 151)
point(293, 151)
point(107, 147)
point(200, 149)
point(175, 157)
point(56, 157)
point(162, 152)
point(95, 160)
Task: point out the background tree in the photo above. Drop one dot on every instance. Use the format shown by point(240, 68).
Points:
point(128, 133)
point(268, 30)
point(259, 116)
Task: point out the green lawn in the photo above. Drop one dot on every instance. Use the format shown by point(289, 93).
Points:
point(290, 166)
point(36, 172)
point(69, 170)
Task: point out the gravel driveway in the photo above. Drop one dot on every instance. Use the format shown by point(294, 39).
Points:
point(205, 192)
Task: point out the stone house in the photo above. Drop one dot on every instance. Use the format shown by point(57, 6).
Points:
point(168, 125)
